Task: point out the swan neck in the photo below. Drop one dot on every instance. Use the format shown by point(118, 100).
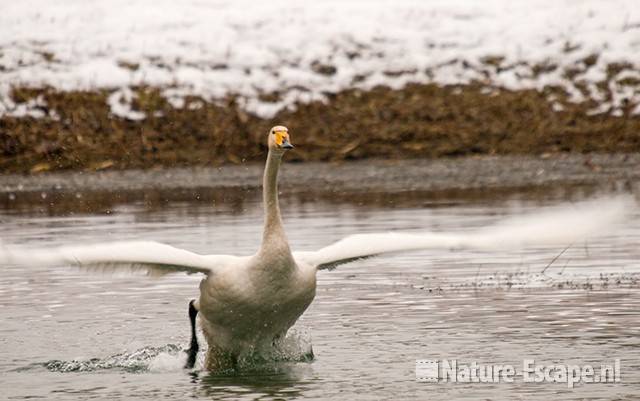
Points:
point(273, 228)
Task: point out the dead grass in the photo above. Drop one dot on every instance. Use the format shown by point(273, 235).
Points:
point(419, 121)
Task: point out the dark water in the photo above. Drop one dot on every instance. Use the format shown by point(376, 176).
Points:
point(72, 335)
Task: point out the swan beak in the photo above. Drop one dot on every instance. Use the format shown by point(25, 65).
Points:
point(286, 144)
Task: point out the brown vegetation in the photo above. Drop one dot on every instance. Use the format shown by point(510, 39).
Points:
point(419, 121)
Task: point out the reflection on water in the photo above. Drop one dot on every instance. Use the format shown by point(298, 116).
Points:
point(289, 383)
point(235, 200)
point(368, 324)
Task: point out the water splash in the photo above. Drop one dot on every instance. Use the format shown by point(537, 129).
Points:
point(295, 347)
point(270, 359)
point(135, 362)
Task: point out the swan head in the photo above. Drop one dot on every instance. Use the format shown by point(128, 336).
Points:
point(279, 138)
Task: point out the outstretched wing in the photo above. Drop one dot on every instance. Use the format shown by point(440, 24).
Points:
point(560, 226)
point(362, 246)
point(153, 257)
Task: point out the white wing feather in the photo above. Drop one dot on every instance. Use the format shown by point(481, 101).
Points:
point(560, 226)
point(146, 255)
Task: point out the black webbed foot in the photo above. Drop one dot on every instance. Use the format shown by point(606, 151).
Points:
point(194, 347)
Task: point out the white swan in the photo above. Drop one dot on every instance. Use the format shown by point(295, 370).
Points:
point(248, 302)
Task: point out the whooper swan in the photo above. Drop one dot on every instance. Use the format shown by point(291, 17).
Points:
point(247, 302)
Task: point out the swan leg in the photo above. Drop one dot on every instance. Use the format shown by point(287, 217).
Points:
point(194, 347)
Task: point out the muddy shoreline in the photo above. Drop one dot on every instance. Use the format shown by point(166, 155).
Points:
point(364, 176)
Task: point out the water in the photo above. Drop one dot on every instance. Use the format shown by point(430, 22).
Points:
point(66, 334)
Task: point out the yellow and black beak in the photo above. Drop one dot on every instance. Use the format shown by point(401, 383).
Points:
point(282, 140)
point(286, 144)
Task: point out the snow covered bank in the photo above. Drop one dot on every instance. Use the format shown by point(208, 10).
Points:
point(300, 50)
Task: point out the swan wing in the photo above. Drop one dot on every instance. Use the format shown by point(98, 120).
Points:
point(150, 256)
point(559, 226)
point(363, 246)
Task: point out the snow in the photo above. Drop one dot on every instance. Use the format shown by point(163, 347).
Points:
point(120, 104)
point(213, 48)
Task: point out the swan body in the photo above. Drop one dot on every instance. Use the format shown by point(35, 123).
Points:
point(248, 302)
point(251, 302)
point(248, 305)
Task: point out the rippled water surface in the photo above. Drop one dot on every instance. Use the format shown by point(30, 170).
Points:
point(67, 334)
